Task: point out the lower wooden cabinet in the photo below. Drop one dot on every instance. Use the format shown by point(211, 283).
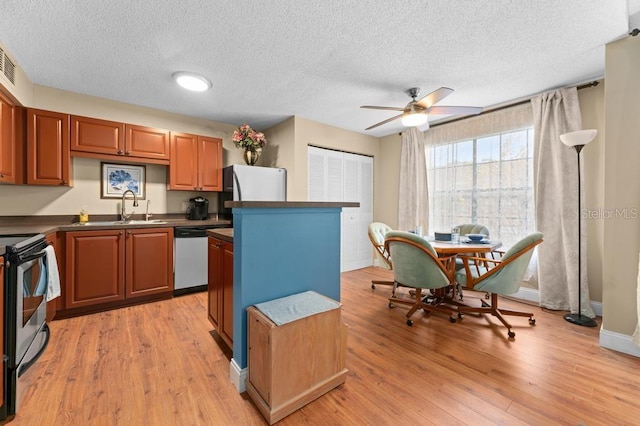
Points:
point(220, 274)
point(117, 265)
point(2, 323)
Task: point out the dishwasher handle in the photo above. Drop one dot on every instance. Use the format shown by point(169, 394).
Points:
point(185, 232)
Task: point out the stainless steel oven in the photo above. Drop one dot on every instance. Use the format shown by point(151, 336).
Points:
point(25, 293)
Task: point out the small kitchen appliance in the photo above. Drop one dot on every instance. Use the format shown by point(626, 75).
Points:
point(198, 209)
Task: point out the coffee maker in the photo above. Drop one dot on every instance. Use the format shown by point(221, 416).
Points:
point(198, 209)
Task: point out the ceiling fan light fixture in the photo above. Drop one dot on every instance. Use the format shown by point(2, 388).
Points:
point(414, 119)
point(191, 81)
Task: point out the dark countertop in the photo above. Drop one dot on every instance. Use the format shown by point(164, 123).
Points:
point(288, 204)
point(16, 225)
point(224, 234)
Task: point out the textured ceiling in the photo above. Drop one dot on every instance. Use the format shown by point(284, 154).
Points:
point(318, 59)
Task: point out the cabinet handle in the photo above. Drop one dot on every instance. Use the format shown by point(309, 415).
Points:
point(64, 182)
point(127, 153)
point(119, 152)
point(1, 175)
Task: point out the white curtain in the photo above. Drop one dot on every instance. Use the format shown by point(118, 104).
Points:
point(556, 201)
point(413, 198)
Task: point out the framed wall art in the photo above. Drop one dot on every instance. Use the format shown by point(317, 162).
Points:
point(118, 178)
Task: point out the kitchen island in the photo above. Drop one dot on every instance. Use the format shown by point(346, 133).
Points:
point(280, 249)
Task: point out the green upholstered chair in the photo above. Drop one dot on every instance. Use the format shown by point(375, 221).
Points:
point(498, 277)
point(417, 265)
point(377, 231)
point(472, 228)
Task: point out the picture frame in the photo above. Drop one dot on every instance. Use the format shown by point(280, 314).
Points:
point(117, 178)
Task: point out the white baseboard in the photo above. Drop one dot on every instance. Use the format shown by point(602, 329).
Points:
point(618, 342)
point(237, 376)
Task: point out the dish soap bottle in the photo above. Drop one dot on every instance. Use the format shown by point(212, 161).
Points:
point(84, 216)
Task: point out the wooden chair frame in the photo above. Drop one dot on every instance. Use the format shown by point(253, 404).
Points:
point(471, 262)
point(380, 248)
point(426, 302)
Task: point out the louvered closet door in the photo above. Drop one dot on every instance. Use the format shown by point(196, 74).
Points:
point(338, 176)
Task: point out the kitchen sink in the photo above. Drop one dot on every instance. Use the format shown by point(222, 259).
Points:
point(121, 223)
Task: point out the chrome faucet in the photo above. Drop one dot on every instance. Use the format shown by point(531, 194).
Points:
point(147, 215)
point(123, 213)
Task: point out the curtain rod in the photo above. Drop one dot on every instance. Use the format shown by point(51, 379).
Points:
point(582, 86)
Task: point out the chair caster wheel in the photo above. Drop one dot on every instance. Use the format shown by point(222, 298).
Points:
point(532, 321)
point(390, 305)
point(409, 322)
point(511, 334)
point(459, 315)
point(452, 320)
point(373, 286)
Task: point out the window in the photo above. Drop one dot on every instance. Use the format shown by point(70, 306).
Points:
point(487, 180)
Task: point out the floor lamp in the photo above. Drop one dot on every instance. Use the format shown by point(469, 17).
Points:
point(578, 140)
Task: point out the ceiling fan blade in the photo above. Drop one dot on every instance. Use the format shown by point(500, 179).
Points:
point(384, 122)
point(382, 107)
point(448, 110)
point(434, 97)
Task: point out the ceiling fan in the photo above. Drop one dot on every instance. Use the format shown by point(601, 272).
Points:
point(415, 113)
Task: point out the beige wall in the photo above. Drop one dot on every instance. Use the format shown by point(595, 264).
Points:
point(294, 135)
point(621, 236)
point(386, 202)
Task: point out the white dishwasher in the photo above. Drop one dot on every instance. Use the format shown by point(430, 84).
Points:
point(190, 258)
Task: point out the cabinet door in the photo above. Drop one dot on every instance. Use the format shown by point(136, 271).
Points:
point(97, 136)
point(214, 283)
point(48, 157)
point(226, 328)
point(183, 170)
point(7, 141)
point(149, 261)
point(209, 164)
point(147, 142)
point(56, 240)
point(2, 321)
point(94, 267)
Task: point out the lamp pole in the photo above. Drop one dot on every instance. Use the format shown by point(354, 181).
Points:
point(578, 318)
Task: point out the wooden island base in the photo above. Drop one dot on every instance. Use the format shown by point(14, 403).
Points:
point(292, 364)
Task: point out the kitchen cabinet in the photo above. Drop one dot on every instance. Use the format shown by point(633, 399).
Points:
point(111, 140)
point(11, 142)
point(48, 155)
point(56, 240)
point(220, 288)
point(117, 265)
point(2, 324)
point(196, 163)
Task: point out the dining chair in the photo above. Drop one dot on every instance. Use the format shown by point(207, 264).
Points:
point(377, 232)
point(498, 277)
point(416, 264)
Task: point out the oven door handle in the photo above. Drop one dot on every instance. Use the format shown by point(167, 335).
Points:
point(31, 257)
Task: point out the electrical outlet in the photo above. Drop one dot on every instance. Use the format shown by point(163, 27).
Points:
point(185, 206)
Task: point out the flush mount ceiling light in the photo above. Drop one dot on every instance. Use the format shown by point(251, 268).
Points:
point(191, 81)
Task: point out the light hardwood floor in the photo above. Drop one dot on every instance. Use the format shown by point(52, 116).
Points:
point(158, 364)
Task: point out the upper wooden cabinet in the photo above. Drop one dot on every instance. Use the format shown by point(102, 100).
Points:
point(11, 142)
point(48, 156)
point(196, 163)
point(92, 137)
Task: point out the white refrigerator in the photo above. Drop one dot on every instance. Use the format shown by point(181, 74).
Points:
point(254, 183)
